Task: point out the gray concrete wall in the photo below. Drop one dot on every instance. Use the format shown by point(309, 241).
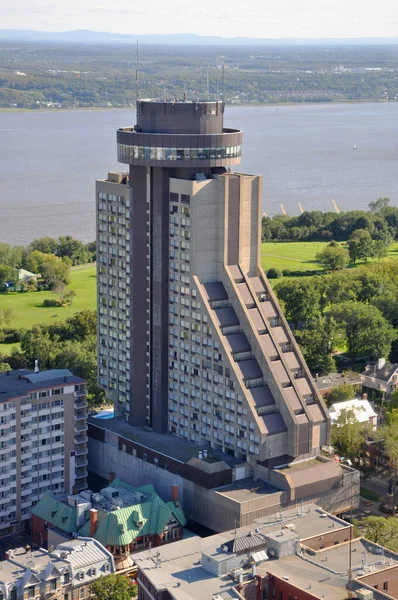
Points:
point(105, 459)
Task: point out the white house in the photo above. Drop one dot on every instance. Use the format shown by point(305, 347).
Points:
point(361, 408)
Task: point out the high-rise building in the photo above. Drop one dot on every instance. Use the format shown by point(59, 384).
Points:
point(43, 439)
point(192, 340)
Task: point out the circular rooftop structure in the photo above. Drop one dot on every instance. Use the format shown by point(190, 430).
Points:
point(183, 134)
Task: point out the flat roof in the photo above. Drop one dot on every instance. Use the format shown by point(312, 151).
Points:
point(22, 382)
point(247, 489)
point(181, 570)
point(324, 382)
point(164, 443)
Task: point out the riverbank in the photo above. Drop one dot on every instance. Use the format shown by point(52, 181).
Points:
point(233, 105)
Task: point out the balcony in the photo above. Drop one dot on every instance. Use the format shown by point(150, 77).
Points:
point(81, 473)
point(81, 403)
point(82, 414)
point(82, 461)
point(81, 451)
point(81, 439)
point(80, 427)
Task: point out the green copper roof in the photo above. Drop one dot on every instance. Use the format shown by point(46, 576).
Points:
point(56, 513)
point(119, 527)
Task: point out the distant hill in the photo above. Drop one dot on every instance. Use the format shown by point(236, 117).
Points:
point(187, 39)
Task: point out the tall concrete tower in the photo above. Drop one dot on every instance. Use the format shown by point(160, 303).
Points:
point(192, 340)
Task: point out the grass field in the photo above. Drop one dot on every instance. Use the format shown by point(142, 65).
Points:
point(27, 309)
point(299, 256)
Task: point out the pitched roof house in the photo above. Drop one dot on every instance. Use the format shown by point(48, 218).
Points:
point(122, 518)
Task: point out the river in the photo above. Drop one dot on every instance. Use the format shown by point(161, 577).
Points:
point(49, 161)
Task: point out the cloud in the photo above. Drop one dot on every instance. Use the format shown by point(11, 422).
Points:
point(120, 10)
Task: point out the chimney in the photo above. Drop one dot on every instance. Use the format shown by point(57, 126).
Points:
point(380, 363)
point(93, 521)
point(364, 396)
point(174, 494)
point(36, 366)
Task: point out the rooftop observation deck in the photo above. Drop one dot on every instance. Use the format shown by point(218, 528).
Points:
point(189, 133)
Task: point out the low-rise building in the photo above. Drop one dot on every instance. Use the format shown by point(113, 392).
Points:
point(360, 409)
point(43, 439)
point(381, 376)
point(64, 573)
point(327, 383)
point(122, 518)
point(305, 554)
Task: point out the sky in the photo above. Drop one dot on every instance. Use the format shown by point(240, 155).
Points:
point(251, 18)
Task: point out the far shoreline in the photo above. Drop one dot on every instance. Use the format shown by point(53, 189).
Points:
point(246, 105)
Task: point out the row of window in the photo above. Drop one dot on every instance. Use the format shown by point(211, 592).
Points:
point(154, 153)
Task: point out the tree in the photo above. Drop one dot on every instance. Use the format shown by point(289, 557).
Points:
point(342, 392)
point(300, 299)
point(365, 329)
point(380, 249)
point(114, 587)
point(316, 345)
point(6, 274)
point(55, 273)
point(47, 245)
point(4, 366)
point(360, 245)
point(349, 435)
point(378, 206)
point(273, 273)
point(65, 295)
point(339, 287)
point(389, 435)
point(382, 531)
point(83, 324)
point(81, 359)
point(36, 343)
point(334, 257)
point(5, 316)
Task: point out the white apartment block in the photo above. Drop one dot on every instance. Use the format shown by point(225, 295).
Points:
point(43, 439)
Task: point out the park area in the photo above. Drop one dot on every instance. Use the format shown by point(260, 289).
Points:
point(300, 256)
point(28, 310)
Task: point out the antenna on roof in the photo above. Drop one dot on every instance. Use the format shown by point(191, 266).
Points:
point(222, 77)
point(136, 75)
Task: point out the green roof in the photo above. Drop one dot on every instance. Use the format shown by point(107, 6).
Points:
point(56, 513)
point(119, 527)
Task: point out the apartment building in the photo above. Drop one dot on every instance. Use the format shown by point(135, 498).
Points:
point(43, 439)
point(192, 341)
point(64, 573)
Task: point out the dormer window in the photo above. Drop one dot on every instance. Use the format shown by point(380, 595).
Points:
point(81, 575)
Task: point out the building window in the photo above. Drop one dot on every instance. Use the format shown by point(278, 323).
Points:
point(31, 592)
point(53, 584)
point(66, 577)
point(13, 594)
point(81, 593)
point(385, 586)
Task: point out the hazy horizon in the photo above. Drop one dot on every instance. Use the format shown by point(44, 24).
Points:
point(307, 19)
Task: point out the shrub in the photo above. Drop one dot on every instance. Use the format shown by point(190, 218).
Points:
point(287, 272)
point(11, 336)
point(273, 273)
point(50, 302)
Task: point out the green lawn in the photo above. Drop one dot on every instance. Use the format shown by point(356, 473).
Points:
point(27, 309)
point(299, 256)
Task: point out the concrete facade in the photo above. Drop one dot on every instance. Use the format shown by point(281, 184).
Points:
point(192, 341)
